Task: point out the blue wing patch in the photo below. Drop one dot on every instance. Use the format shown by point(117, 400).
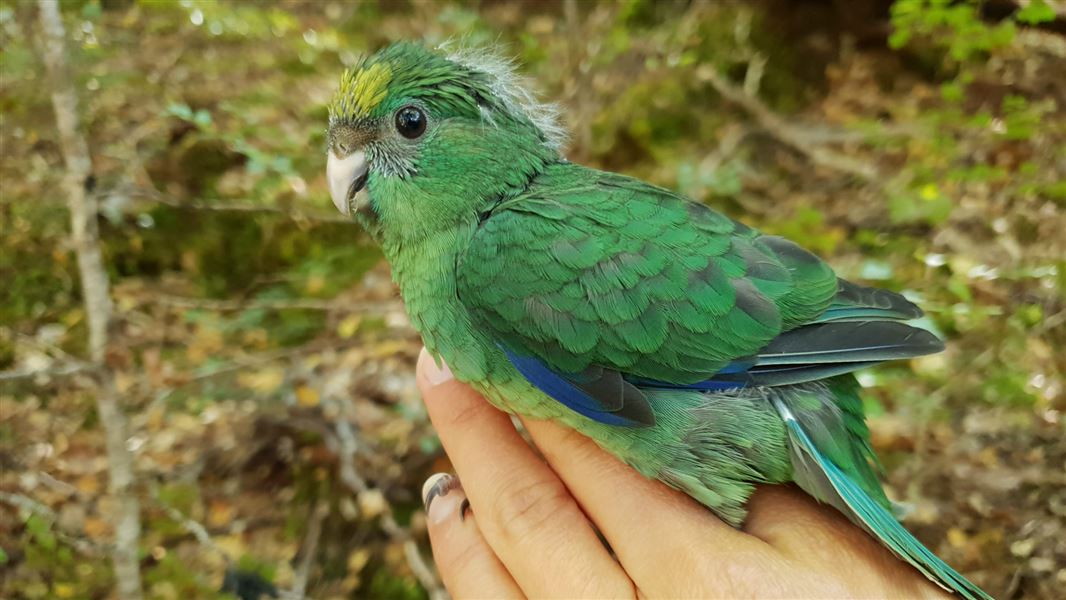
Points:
point(599, 394)
point(803, 354)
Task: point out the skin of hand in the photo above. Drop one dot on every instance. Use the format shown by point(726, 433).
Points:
point(523, 524)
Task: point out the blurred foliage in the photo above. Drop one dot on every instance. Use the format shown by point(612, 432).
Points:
point(253, 318)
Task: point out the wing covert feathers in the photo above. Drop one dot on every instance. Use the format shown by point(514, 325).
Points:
point(590, 268)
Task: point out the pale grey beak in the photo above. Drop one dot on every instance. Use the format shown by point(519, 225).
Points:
point(347, 181)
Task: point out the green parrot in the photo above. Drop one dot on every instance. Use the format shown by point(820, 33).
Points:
point(699, 351)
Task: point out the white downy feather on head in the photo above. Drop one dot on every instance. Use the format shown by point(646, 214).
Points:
point(510, 88)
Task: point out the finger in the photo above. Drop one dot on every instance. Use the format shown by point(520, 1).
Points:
point(800, 527)
point(524, 511)
point(675, 533)
point(466, 563)
point(821, 537)
point(782, 515)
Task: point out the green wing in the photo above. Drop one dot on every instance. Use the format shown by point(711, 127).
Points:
point(588, 268)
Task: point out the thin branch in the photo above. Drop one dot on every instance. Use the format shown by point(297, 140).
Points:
point(61, 370)
point(73, 366)
point(794, 137)
point(248, 362)
point(46, 347)
point(296, 304)
point(257, 360)
point(1051, 323)
point(727, 147)
point(29, 505)
point(344, 444)
point(96, 294)
point(69, 365)
point(753, 76)
point(241, 207)
point(194, 527)
point(310, 549)
point(59, 485)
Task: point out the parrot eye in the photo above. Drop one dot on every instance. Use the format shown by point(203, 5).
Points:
point(410, 122)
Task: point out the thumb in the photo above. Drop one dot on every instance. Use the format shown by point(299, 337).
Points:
point(431, 372)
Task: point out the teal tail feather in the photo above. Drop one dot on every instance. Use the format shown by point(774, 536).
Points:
point(828, 479)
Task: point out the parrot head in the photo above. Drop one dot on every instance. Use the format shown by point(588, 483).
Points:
point(421, 140)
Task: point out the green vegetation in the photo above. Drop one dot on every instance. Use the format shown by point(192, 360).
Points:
point(923, 149)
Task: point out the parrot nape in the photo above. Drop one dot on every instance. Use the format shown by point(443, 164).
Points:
point(697, 350)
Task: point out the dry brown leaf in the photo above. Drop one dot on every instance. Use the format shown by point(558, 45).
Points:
point(265, 380)
point(88, 485)
point(97, 528)
point(349, 326)
point(219, 513)
point(307, 396)
point(372, 503)
point(958, 538)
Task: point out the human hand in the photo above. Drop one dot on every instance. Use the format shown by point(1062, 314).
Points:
point(522, 526)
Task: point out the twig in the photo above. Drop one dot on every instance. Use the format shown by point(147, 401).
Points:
point(69, 365)
point(62, 370)
point(1050, 323)
point(194, 527)
point(423, 572)
point(345, 446)
point(727, 147)
point(98, 308)
point(756, 60)
point(59, 485)
point(32, 506)
point(806, 141)
point(257, 360)
point(46, 346)
point(310, 549)
point(753, 76)
point(786, 133)
point(241, 207)
point(297, 304)
point(248, 362)
point(28, 504)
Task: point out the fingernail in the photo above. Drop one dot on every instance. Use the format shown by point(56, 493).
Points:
point(435, 374)
point(438, 485)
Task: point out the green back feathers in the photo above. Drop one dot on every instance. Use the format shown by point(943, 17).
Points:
point(590, 268)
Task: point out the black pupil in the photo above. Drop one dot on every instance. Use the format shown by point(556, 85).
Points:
point(410, 122)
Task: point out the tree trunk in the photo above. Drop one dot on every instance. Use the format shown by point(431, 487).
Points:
point(98, 307)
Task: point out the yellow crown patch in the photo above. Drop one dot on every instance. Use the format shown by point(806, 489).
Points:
point(361, 91)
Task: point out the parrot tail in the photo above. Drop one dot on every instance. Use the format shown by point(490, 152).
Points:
point(827, 482)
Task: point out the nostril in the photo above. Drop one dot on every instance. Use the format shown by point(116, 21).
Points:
point(358, 184)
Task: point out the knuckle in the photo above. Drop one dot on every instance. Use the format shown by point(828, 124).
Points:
point(578, 444)
point(523, 507)
point(463, 559)
point(557, 442)
point(466, 415)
